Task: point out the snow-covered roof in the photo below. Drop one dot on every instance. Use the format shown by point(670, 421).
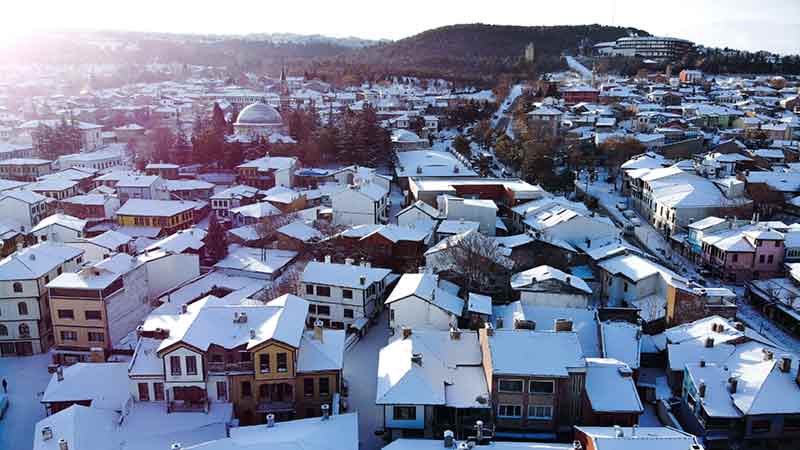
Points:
point(633, 267)
point(479, 304)
point(155, 208)
point(102, 383)
point(650, 438)
point(584, 322)
point(535, 353)
point(342, 275)
point(425, 286)
point(257, 210)
point(248, 259)
point(66, 221)
point(36, 261)
point(528, 279)
point(621, 341)
point(181, 241)
point(449, 372)
point(317, 355)
point(610, 387)
point(300, 230)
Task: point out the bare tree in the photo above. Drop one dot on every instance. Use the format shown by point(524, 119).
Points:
point(477, 259)
point(267, 227)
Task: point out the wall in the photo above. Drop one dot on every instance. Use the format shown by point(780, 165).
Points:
point(19, 212)
point(486, 217)
point(352, 208)
point(183, 379)
point(417, 424)
point(417, 313)
point(272, 349)
point(56, 233)
point(170, 271)
point(338, 303)
point(554, 299)
point(79, 324)
point(412, 216)
point(127, 309)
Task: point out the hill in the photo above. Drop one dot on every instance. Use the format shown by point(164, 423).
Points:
point(461, 50)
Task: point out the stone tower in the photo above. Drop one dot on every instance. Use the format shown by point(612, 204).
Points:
point(284, 93)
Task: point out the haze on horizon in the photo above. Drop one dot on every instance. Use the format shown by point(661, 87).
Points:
point(772, 25)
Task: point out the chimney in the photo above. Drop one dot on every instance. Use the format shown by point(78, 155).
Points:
point(270, 420)
point(709, 342)
point(479, 431)
point(368, 265)
point(176, 446)
point(455, 333)
point(327, 259)
point(318, 330)
point(563, 325)
point(406, 332)
point(416, 358)
point(363, 280)
point(766, 354)
point(576, 445)
point(785, 364)
point(47, 433)
point(252, 333)
point(449, 439)
point(733, 383)
point(326, 411)
point(499, 322)
point(60, 373)
point(62, 444)
point(489, 329)
point(633, 430)
point(184, 308)
point(520, 324)
point(739, 326)
point(701, 389)
point(702, 362)
point(618, 432)
point(348, 261)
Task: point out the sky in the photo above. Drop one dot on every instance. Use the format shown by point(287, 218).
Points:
point(772, 25)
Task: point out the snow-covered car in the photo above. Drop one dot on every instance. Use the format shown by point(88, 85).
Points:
point(636, 222)
point(629, 214)
point(621, 206)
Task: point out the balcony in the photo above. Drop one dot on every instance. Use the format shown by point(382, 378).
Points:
point(187, 406)
point(271, 406)
point(243, 366)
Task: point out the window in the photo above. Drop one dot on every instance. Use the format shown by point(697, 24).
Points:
point(405, 413)
point(308, 387)
point(191, 365)
point(510, 385)
point(761, 259)
point(735, 257)
point(323, 291)
point(347, 293)
point(222, 390)
point(777, 243)
point(22, 307)
point(247, 390)
point(542, 387)
point(283, 364)
point(625, 287)
point(310, 289)
point(46, 279)
point(96, 337)
point(92, 315)
point(175, 365)
point(324, 387)
point(69, 336)
point(3, 330)
point(263, 363)
point(348, 313)
point(217, 358)
point(760, 426)
point(144, 392)
point(323, 310)
point(791, 423)
point(59, 270)
point(17, 287)
point(66, 314)
point(540, 412)
point(245, 356)
point(509, 411)
point(158, 391)
point(769, 259)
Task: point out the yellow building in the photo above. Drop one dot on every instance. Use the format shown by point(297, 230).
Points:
point(167, 215)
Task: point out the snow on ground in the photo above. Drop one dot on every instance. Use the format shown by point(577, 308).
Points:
point(361, 372)
point(578, 67)
point(27, 379)
point(650, 417)
point(515, 92)
point(396, 198)
point(753, 318)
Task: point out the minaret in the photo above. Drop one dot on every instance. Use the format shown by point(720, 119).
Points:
point(284, 94)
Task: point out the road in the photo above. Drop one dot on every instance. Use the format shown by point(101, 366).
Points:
point(27, 378)
point(361, 373)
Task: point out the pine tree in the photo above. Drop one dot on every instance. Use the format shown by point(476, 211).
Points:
point(218, 122)
point(216, 240)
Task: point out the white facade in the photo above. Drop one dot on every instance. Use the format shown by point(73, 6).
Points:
point(416, 313)
point(352, 207)
point(169, 271)
point(56, 233)
point(483, 212)
point(24, 213)
point(554, 299)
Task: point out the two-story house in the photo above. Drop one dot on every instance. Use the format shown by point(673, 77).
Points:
point(424, 301)
point(91, 207)
point(24, 207)
point(146, 187)
point(233, 197)
point(164, 216)
point(365, 203)
point(25, 322)
point(258, 357)
point(343, 296)
point(267, 172)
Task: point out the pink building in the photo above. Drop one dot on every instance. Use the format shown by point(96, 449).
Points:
point(744, 253)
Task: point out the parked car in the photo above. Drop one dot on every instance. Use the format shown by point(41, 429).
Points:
point(636, 222)
point(629, 214)
point(621, 206)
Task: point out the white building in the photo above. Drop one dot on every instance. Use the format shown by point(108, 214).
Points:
point(483, 212)
point(23, 207)
point(59, 228)
point(422, 301)
point(343, 295)
point(548, 286)
point(363, 204)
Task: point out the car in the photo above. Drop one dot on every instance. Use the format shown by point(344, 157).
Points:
point(636, 222)
point(622, 206)
point(629, 214)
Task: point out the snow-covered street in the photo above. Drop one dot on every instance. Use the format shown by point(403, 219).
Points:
point(27, 378)
point(360, 371)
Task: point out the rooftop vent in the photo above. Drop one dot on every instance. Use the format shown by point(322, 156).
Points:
point(270, 420)
point(47, 433)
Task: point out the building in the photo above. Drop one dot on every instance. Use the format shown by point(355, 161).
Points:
point(166, 171)
point(259, 121)
point(258, 357)
point(91, 207)
point(164, 216)
point(646, 47)
point(622, 438)
point(25, 321)
point(267, 172)
point(146, 187)
point(259, 263)
point(95, 384)
point(25, 169)
point(548, 286)
point(59, 228)
point(95, 307)
point(343, 296)
point(365, 203)
point(423, 301)
point(23, 207)
point(234, 197)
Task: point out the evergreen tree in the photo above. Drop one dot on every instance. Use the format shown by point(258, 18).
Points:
point(218, 122)
point(216, 240)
